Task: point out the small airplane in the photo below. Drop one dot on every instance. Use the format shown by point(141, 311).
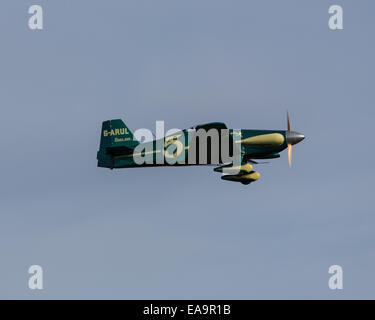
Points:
point(120, 149)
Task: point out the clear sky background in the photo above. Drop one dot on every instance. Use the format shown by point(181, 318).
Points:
point(183, 232)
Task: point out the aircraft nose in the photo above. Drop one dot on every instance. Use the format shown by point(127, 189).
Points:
point(293, 137)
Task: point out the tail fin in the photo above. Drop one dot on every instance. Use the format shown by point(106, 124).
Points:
point(116, 138)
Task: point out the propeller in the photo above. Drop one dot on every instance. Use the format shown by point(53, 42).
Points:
point(289, 144)
point(292, 137)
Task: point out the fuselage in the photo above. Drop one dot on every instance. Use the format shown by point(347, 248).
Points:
point(176, 149)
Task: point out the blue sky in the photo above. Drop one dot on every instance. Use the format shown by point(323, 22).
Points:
point(181, 233)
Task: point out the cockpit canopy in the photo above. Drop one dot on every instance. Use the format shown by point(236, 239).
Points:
point(210, 125)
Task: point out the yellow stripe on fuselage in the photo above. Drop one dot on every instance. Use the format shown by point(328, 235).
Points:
point(270, 139)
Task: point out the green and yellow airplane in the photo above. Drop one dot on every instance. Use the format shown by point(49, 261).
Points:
point(234, 151)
